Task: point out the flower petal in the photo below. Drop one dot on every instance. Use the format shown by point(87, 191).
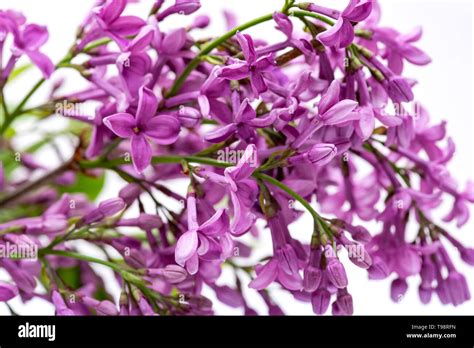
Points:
point(221, 134)
point(121, 124)
point(265, 276)
point(164, 129)
point(248, 49)
point(216, 225)
point(185, 247)
point(141, 153)
point(42, 61)
point(147, 106)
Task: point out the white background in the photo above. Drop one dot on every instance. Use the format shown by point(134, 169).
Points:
point(445, 88)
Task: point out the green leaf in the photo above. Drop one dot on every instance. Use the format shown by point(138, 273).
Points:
point(18, 71)
point(71, 276)
point(90, 186)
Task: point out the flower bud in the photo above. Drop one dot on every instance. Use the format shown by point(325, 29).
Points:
point(319, 154)
point(467, 255)
point(130, 193)
point(336, 273)
point(361, 234)
point(201, 22)
point(425, 293)
point(457, 288)
point(148, 222)
point(312, 278)
point(344, 302)
point(320, 301)
point(172, 273)
point(398, 289)
point(101, 307)
point(106, 208)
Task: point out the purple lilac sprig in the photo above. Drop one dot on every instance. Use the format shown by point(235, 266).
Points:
point(323, 123)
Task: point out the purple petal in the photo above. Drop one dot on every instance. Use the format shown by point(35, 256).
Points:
point(283, 24)
point(142, 40)
point(121, 124)
point(236, 71)
point(358, 10)
point(248, 49)
point(185, 247)
point(147, 106)
point(415, 55)
point(246, 165)
point(141, 153)
point(266, 275)
point(331, 97)
point(164, 129)
point(127, 25)
point(33, 37)
point(221, 134)
point(7, 291)
point(339, 113)
point(174, 42)
point(42, 62)
point(245, 112)
point(258, 83)
point(216, 225)
point(112, 10)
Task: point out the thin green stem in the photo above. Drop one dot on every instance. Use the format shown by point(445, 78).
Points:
point(289, 191)
point(156, 160)
point(302, 13)
point(81, 257)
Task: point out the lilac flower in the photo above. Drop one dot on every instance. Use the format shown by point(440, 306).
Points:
point(184, 7)
point(110, 22)
point(400, 47)
point(331, 111)
point(265, 126)
point(244, 122)
point(286, 27)
point(242, 190)
point(283, 266)
point(253, 67)
point(342, 33)
point(163, 129)
point(28, 42)
point(199, 240)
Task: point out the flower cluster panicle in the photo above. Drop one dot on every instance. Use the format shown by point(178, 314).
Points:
point(323, 122)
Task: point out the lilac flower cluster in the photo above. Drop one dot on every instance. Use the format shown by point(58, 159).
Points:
point(322, 123)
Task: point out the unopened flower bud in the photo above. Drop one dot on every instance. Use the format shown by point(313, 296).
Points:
point(320, 301)
point(336, 273)
point(319, 154)
point(101, 307)
point(398, 289)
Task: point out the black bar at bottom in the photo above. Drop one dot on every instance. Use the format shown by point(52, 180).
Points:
point(314, 331)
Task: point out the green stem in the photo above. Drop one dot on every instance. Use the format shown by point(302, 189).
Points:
point(81, 257)
point(302, 13)
point(207, 48)
point(292, 193)
point(156, 160)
